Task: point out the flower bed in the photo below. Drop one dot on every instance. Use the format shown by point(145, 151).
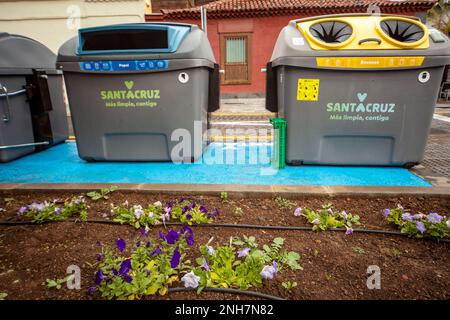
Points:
point(335, 264)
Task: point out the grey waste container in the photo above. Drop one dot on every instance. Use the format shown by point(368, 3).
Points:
point(131, 86)
point(32, 108)
point(356, 89)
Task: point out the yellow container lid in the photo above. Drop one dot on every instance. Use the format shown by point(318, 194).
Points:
point(364, 32)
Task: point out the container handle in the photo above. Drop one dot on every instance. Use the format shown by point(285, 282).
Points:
point(369, 40)
point(5, 94)
point(24, 145)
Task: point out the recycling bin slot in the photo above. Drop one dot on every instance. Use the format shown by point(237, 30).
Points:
point(131, 38)
point(356, 89)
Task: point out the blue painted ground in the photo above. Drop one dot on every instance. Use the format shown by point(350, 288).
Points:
point(61, 164)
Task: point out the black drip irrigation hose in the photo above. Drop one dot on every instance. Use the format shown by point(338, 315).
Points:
point(229, 290)
point(227, 225)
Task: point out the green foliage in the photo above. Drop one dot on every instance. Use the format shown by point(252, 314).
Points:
point(238, 212)
point(151, 272)
point(55, 283)
point(327, 218)
point(358, 250)
point(103, 194)
point(9, 201)
point(396, 252)
point(3, 295)
point(51, 211)
point(418, 225)
point(289, 285)
point(224, 196)
point(228, 266)
point(184, 211)
point(284, 203)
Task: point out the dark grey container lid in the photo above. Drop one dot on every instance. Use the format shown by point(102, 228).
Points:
point(19, 52)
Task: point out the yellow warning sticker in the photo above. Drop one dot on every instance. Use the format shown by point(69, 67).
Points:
point(308, 89)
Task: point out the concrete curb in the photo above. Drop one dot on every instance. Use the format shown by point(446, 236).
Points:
point(246, 191)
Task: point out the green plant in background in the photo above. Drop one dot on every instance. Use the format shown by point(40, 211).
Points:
point(238, 212)
point(147, 267)
point(182, 210)
point(224, 196)
point(327, 218)
point(55, 283)
point(3, 295)
point(396, 252)
point(289, 285)
point(8, 201)
point(51, 211)
point(358, 250)
point(102, 195)
point(284, 203)
point(418, 225)
point(240, 266)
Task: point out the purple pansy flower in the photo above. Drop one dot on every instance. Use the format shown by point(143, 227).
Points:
point(57, 211)
point(125, 267)
point(91, 290)
point(407, 217)
point(386, 212)
point(138, 244)
point(205, 264)
point(99, 256)
point(298, 212)
point(144, 232)
point(189, 216)
point(434, 218)
point(99, 277)
point(148, 272)
point(168, 210)
point(22, 210)
point(243, 253)
point(420, 226)
point(148, 244)
point(349, 231)
point(115, 272)
point(120, 243)
point(37, 206)
point(127, 278)
point(211, 250)
point(155, 252)
point(175, 261)
point(161, 235)
point(268, 272)
point(172, 237)
point(203, 209)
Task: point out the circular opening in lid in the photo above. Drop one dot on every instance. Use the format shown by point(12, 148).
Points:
point(402, 31)
point(331, 32)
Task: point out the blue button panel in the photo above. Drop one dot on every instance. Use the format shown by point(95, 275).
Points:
point(124, 65)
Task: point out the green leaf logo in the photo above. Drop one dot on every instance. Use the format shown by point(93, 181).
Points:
point(129, 84)
point(362, 96)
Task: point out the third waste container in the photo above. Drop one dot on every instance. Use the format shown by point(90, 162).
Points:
point(137, 90)
point(356, 89)
point(32, 107)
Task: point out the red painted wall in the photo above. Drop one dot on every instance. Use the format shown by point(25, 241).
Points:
point(265, 33)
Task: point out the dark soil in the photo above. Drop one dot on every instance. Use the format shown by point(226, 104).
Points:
point(335, 265)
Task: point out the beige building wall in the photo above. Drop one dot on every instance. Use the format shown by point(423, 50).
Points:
point(52, 22)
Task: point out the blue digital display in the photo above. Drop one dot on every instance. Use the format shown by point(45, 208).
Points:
point(124, 65)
